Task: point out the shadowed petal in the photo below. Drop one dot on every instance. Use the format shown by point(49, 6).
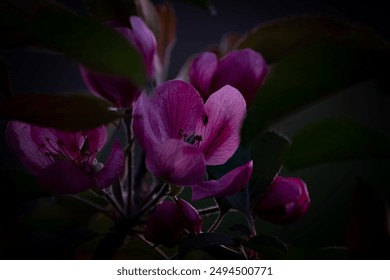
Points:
point(97, 138)
point(220, 126)
point(113, 167)
point(145, 40)
point(117, 90)
point(165, 224)
point(65, 177)
point(202, 71)
point(194, 220)
point(19, 140)
point(229, 184)
point(177, 162)
point(243, 69)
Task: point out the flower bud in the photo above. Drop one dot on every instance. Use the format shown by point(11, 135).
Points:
point(169, 221)
point(286, 201)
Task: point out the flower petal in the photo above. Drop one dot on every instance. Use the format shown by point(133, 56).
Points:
point(173, 110)
point(194, 220)
point(229, 184)
point(202, 71)
point(65, 177)
point(19, 140)
point(145, 41)
point(97, 138)
point(243, 69)
point(281, 192)
point(113, 167)
point(165, 224)
point(220, 126)
point(177, 162)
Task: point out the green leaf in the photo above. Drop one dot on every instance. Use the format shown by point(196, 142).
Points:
point(89, 42)
point(268, 152)
point(64, 112)
point(307, 76)
point(92, 44)
point(279, 38)
point(334, 140)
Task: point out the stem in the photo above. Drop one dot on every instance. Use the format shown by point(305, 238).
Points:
point(216, 223)
point(150, 200)
point(209, 211)
point(115, 204)
point(93, 205)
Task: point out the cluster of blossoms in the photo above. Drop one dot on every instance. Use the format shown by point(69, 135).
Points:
point(182, 127)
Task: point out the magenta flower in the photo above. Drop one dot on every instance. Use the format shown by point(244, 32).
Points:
point(286, 201)
point(243, 69)
point(181, 135)
point(169, 220)
point(120, 91)
point(65, 162)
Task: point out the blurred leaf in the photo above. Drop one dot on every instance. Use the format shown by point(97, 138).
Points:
point(148, 12)
point(268, 152)
point(335, 140)
point(64, 112)
point(368, 235)
point(5, 83)
point(87, 41)
point(203, 240)
point(107, 10)
point(279, 38)
point(306, 76)
point(227, 43)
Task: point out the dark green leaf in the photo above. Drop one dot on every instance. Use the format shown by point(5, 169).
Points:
point(87, 41)
point(307, 76)
point(335, 140)
point(277, 39)
point(64, 112)
point(203, 240)
point(268, 153)
point(5, 84)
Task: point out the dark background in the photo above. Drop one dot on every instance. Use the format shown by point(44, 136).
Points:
point(330, 185)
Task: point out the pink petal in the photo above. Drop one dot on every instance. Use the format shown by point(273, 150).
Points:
point(145, 42)
point(202, 71)
point(65, 177)
point(174, 109)
point(97, 138)
point(220, 126)
point(281, 192)
point(165, 224)
point(243, 69)
point(229, 184)
point(177, 162)
point(19, 140)
point(113, 167)
point(194, 220)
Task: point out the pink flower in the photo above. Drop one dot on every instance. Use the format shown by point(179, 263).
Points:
point(181, 135)
point(65, 162)
point(243, 69)
point(169, 220)
point(286, 201)
point(117, 90)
